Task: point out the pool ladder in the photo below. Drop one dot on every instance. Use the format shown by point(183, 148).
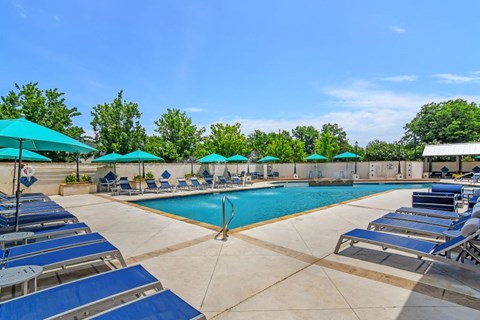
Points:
point(225, 224)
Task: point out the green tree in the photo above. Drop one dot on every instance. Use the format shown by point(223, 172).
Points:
point(45, 107)
point(327, 146)
point(299, 153)
point(378, 150)
point(177, 135)
point(308, 135)
point(452, 121)
point(224, 139)
point(117, 126)
point(339, 135)
point(257, 143)
point(280, 146)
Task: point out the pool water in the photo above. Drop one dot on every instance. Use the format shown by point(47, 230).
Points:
point(252, 206)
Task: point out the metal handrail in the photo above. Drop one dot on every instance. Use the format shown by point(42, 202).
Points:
point(224, 219)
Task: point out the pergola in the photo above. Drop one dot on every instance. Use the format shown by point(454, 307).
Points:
point(454, 149)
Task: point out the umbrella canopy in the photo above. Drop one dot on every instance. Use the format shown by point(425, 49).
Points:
point(21, 133)
point(346, 155)
point(109, 158)
point(268, 159)
point(12, 154)
point(237, 158)
point(315, 157)
point(139, 156)
point(211, 158)
point(36, 137)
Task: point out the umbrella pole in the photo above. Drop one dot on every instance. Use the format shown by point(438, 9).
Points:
point(78, 169)
point(19, 172)
point(14, 176)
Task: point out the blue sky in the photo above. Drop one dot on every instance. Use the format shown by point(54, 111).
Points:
point(367, 65)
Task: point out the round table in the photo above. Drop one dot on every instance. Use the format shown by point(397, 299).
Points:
point(21, 274)
point(15, 237)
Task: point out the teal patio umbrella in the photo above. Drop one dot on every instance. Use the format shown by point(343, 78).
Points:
point(315, 157)
point(237, 158)
point(23, 134)
point(212, 158)
point(140, 157)
point(13, 153)
point(109, 158)
point(347, 156)
point(268, 159)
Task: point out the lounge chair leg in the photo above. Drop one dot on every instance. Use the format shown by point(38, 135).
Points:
point(339, 244)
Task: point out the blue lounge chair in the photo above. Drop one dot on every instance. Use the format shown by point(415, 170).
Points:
point(163, 305)
point(32, 208)
point(209, 182)
point(421, 219)
point(223, 182)
point(76, 298)
point(166, 186)
point(429, 212)
point(422, 248)
point(182, 184)
point(20, 251)
point(196, 184)
point(152, 186)
point(236, 181)
point(56, 230)
point(36, 219)
point(103, 250)
point(384, 224)
point(106, 184)
point(24, 197)
point(126, 188)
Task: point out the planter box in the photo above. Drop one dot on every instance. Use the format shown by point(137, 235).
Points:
point(70, 189)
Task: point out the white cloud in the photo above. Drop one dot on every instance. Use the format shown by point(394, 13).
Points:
point(21, 10)
point(397, 29)
point(367, 113)
point(195, 110)
point(400, 78)
point(454, 78)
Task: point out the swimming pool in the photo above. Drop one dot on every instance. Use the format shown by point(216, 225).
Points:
point(252, 206)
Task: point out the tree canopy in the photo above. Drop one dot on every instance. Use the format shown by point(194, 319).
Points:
point(327, 146)
point(224, 139)
point(45, 107)
point(453, 121)
point(378, 150)
point(177, 136)
point(117, 126)
point(308, 135)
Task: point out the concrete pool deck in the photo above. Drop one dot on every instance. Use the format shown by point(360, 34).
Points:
point(285, 269)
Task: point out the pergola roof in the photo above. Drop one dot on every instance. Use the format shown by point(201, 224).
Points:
point(454, 149)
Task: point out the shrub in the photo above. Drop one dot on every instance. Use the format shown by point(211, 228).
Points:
point(85, 178)
point(149, 175)
point(71, 178)
point(138, 177)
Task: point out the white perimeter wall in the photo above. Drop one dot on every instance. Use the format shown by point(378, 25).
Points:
point(50, 175)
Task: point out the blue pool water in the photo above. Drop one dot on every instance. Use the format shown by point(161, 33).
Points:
point(253, 206)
